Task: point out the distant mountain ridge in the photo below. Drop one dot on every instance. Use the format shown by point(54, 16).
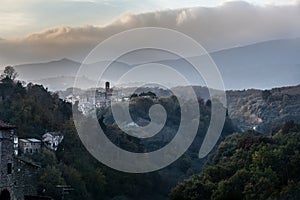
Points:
point(61, 74)
point(267, 64)
point(37, 71)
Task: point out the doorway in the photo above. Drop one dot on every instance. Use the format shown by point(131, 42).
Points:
point(5, 195)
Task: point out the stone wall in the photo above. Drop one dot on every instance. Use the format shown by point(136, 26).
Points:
point(17, 176)
point(6, 161)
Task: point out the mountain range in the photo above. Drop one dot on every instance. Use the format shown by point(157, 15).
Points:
point(262, 65)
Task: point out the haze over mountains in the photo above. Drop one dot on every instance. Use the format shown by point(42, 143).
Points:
point(262, 65)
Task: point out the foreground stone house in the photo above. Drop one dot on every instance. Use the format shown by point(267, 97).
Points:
point(17, 176)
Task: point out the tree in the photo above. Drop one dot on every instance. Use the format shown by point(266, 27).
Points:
point(266, 94)
point(10, 72)
point(49, 179)
point(134, 95)
point(249, 166)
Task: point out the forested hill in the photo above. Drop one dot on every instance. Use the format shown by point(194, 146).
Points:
point(264, 109)
point(33, 109)
point(246, 165)
point(248, 109)
point(249, 166)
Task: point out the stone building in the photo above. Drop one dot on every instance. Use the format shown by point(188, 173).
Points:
point(30, 146)
point(17, 176)
point(51, 140)
point(104, 98)
point(6, 161)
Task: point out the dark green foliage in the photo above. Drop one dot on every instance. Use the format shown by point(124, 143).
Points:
point(134, 96)
point(50, 177)
point(148, 94)
point(9, 73)
point(263, 110)
point(266, 94)
point(143, 94)
point(249, 166)
point(35, 110)
point(110, 183)
point(32, 109)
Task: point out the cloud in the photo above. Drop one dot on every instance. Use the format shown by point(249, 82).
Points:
point(230, 24)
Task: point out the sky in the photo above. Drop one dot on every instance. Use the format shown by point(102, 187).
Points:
point(22, 17)
point(36, 30)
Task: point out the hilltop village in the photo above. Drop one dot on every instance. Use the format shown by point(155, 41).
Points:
point(97, 98)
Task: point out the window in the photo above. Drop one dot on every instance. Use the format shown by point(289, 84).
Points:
point(9, 168)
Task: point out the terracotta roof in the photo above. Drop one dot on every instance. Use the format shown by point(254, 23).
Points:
point(6, 126)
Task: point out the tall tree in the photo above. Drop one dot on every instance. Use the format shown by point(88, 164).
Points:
point(10, 73)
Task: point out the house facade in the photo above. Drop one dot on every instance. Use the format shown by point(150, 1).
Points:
point(30, 146)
